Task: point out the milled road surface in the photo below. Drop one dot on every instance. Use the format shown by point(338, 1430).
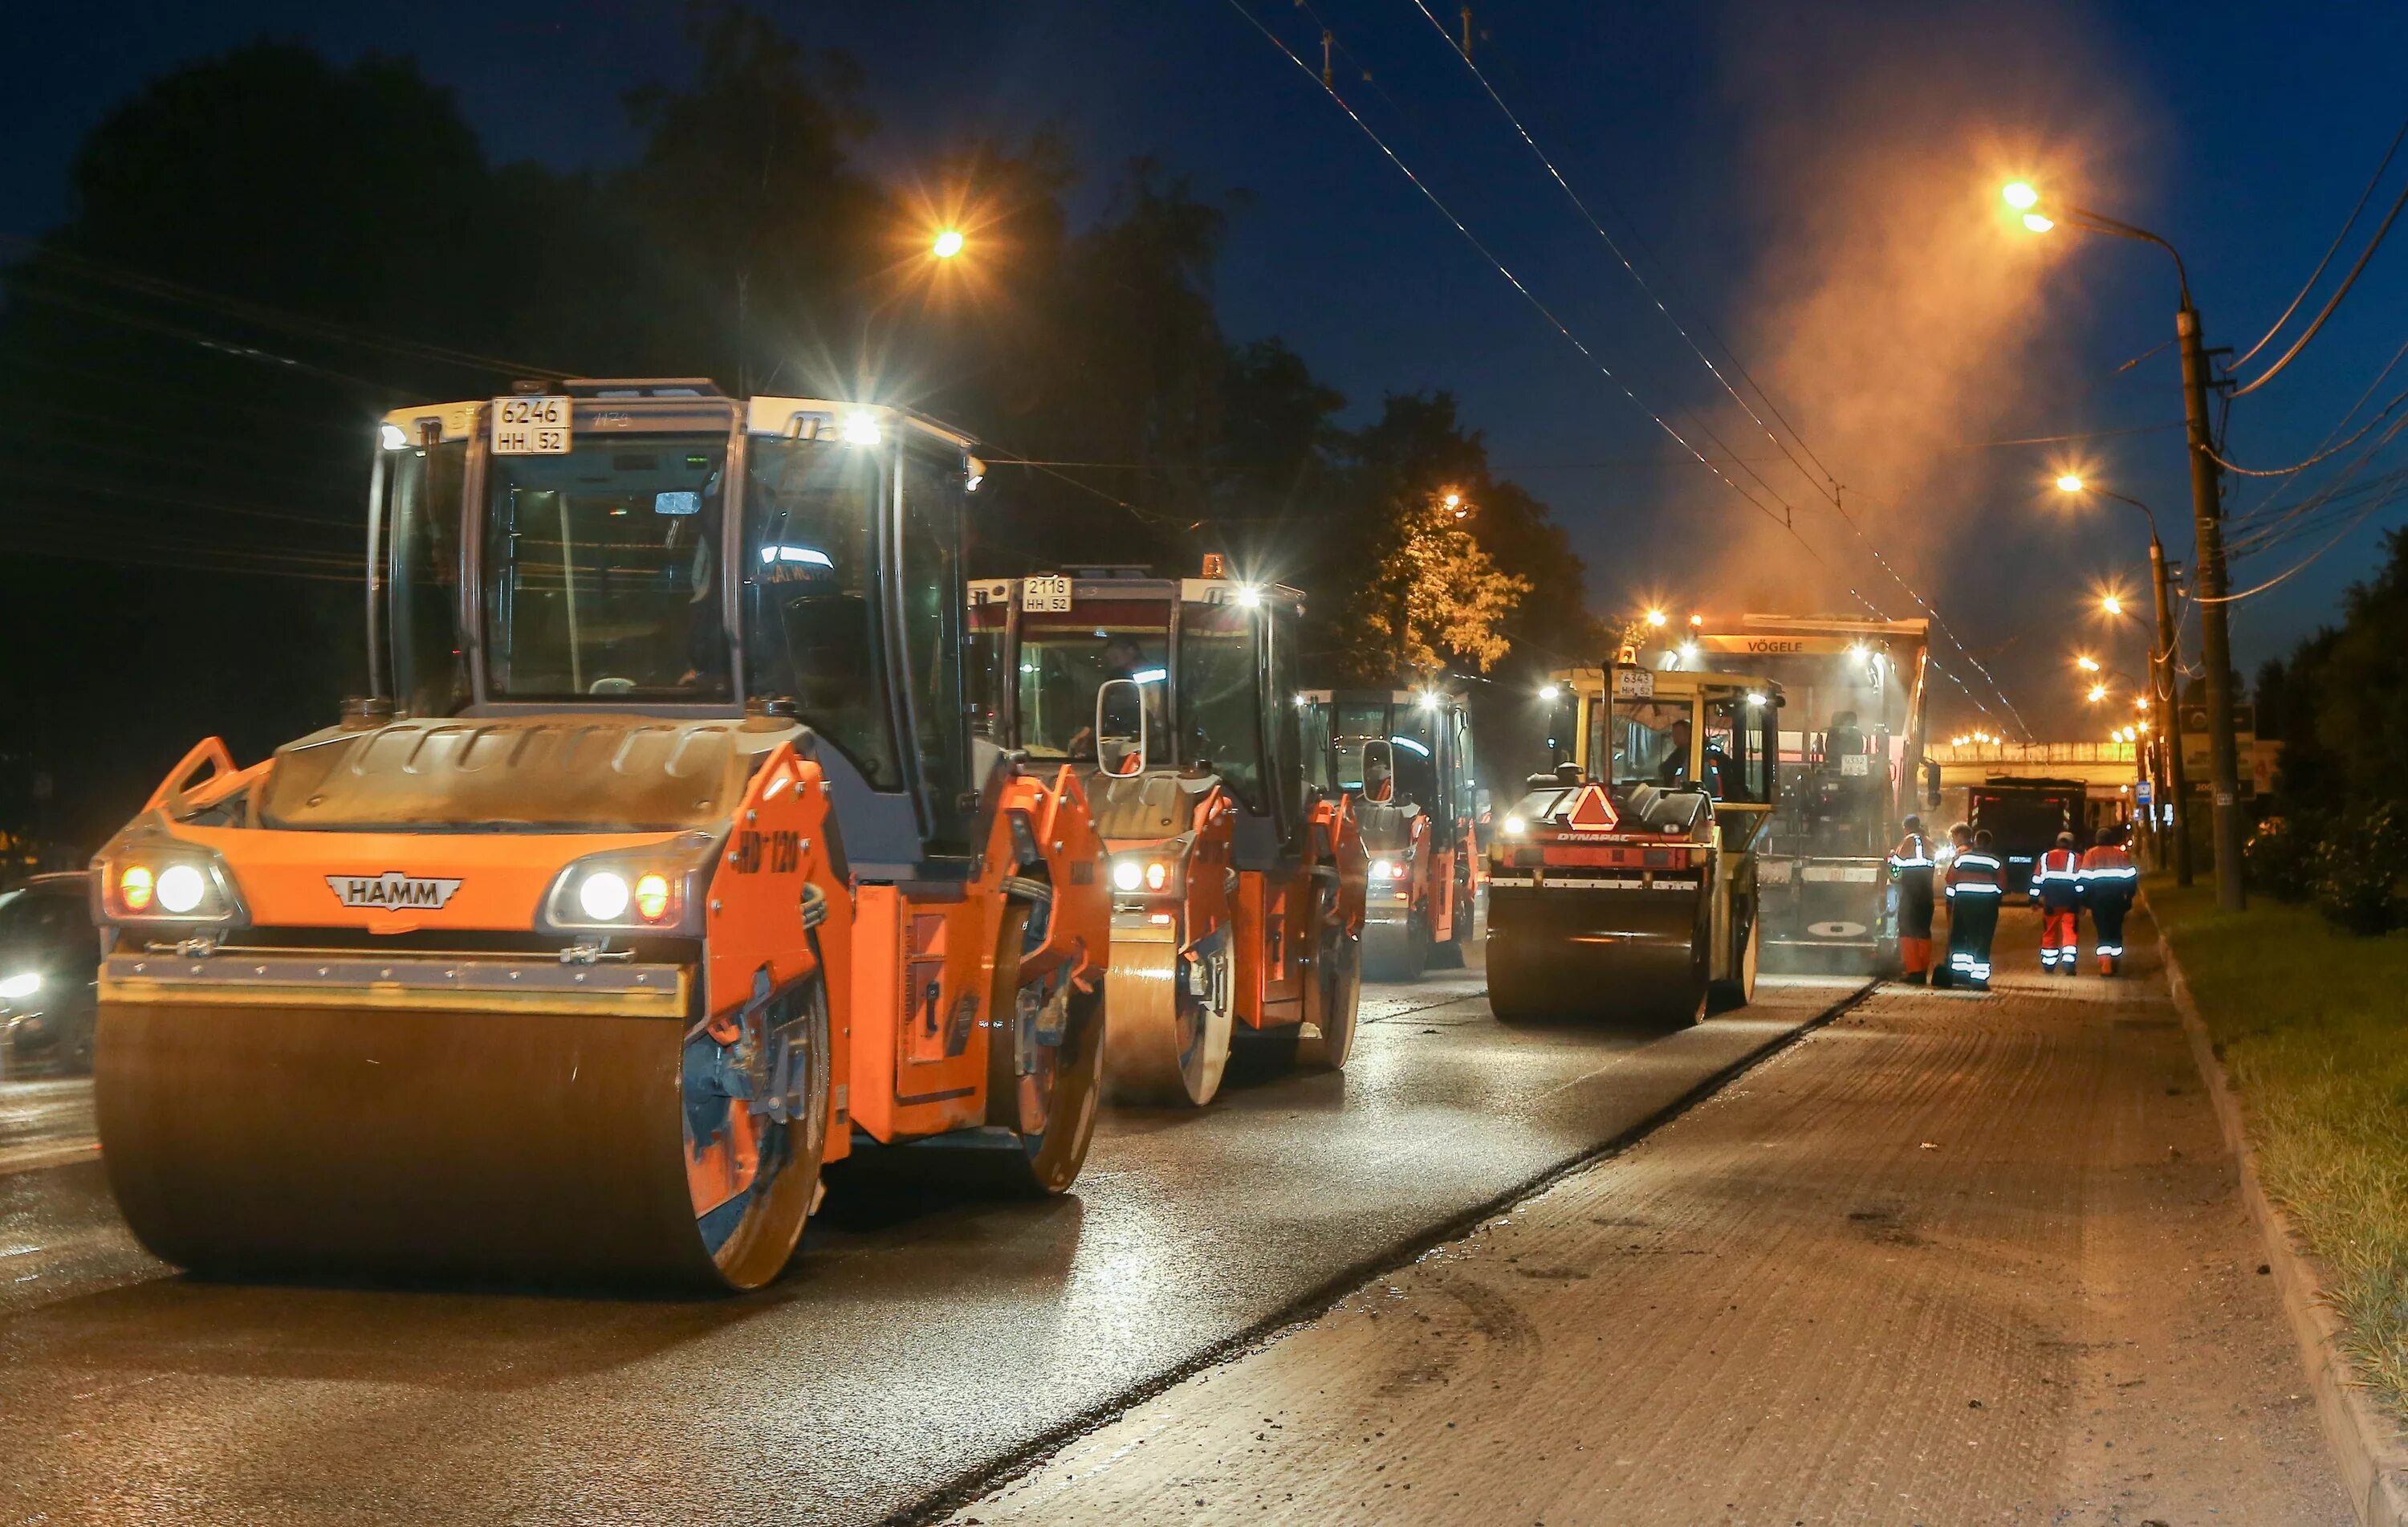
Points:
point(1950, 1260)
point(916, 1344)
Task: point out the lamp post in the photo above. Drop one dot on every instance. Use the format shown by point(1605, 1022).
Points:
point(2161, 687)
point(2207, 513)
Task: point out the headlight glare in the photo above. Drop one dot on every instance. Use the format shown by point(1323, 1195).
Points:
point(603, 896)
point(180, 889)
point(1127, 874)
point(1157, 875)
point(17, 988)
point(134, 888)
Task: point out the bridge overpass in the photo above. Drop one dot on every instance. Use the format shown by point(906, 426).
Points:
point(2106, 770)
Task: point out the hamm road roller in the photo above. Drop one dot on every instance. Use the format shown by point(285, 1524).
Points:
point(1237, 872)
point(1404, 759)
point(659, 870)
point(1624, 884)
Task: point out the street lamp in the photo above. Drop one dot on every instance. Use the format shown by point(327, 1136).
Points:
point(2087, 663)
point(2207, 513)
point(949, 243)
point(2161, 680)
point(2098, 693)
point(2110, 603)
point(1655, 618)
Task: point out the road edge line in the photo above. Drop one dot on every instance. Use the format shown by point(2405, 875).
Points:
point(1324, 1297)
point(2374, 1464)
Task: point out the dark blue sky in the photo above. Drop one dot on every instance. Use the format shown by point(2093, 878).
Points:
point(1814, 183)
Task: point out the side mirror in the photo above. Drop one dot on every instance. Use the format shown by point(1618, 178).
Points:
point(1120, 728)
point(1379, 772)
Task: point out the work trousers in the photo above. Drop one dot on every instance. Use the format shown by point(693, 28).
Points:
point(2058, 937)
point(1973, 922)
point(1914, 922)
point(2107, 917)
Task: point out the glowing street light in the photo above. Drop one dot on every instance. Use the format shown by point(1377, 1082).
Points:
point(2087, 663)
point(2020, 196)
point(2098, 693)
point(2111, 604)
point(1550, 693)
point(1655, 618)
point(949, 243)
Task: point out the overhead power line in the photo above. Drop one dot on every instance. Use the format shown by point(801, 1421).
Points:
point(1784, 519)
point(1830, 487)
point(2332, 250)
point(2333, 302)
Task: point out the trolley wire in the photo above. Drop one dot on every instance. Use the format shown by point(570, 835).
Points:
point(2332, 303)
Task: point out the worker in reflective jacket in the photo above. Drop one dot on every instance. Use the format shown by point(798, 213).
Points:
point(1973, 892)
point(2057, 884)
point(1909, 870)
point(2109, 880)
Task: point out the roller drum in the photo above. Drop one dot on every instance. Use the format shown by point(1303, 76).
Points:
point(394, 1141)
point(1625, 957)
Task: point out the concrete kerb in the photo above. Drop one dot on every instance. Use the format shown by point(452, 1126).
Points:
point(2367, 1445)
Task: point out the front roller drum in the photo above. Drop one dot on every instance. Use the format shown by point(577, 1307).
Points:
point(1596, 955)
point(1045, 1065)
point(313, 1139)
point(1172, 1014)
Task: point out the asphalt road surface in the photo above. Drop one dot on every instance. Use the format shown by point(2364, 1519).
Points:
point(1949, 1259)
point(918, 1343)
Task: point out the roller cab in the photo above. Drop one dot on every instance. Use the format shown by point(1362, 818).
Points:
point(1623, 885)
point(660, 872)
point(1237, 873)
point(1404, 760)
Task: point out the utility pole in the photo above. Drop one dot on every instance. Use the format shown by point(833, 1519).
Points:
point(2167, 697)
point(2215, 639)
point(1326, 78)
point(1466, 33)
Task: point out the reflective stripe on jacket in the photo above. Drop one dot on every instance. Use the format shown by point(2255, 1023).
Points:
point(1973, 872)
point(2108, 869)
point(2056, 879)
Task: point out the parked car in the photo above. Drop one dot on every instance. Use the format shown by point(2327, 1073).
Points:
point(49, 972)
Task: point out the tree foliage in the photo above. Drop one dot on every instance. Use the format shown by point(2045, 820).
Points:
point(1436, 599)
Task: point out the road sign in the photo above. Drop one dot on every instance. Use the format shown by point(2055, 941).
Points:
point(2142, 792)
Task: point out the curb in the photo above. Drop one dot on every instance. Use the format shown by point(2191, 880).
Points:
point(2373, 1460)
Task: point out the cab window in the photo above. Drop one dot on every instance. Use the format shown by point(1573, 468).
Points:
point(932, 635)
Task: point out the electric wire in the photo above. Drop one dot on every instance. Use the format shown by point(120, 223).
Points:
point(2332, 250)
point(2332, 303)
point(1783, 520)
point(1834, 491)
point(2321, 454)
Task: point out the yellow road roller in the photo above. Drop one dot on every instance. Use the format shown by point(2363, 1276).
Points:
point(658, 869)
point(1623, 885)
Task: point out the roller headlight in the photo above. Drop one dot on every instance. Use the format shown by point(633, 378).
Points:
point(1147, 873)
point(181, 888)
point(1127, 874)
point(16, 989)
point(654, 890)
point(603, 896)
point(155, 878)
point(1387, 868)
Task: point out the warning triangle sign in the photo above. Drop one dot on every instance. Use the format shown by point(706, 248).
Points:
point(1594, 809)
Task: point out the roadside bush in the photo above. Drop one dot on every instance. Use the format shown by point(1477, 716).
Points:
point(2282, 857)
point(2356, 867)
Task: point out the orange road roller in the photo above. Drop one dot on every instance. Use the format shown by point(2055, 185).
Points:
point(1404, 759)
point(659, 870)
point(1238, 873)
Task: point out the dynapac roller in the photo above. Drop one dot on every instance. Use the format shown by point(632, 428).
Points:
point(1238, 873)
point(1624, 884)
point(663, 872)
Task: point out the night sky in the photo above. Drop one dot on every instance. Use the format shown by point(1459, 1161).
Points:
point(1816, 183)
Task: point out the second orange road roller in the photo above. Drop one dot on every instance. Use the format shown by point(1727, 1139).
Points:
point(1623, 885)
point(659, 871)
point(1238, 873)
point(1404, 759)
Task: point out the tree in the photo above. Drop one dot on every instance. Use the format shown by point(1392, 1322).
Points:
point(1435, 599)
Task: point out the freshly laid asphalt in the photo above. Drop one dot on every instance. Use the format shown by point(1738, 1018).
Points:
point(920, 1342)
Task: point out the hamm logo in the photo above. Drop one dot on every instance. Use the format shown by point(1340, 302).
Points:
point(391, 890)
